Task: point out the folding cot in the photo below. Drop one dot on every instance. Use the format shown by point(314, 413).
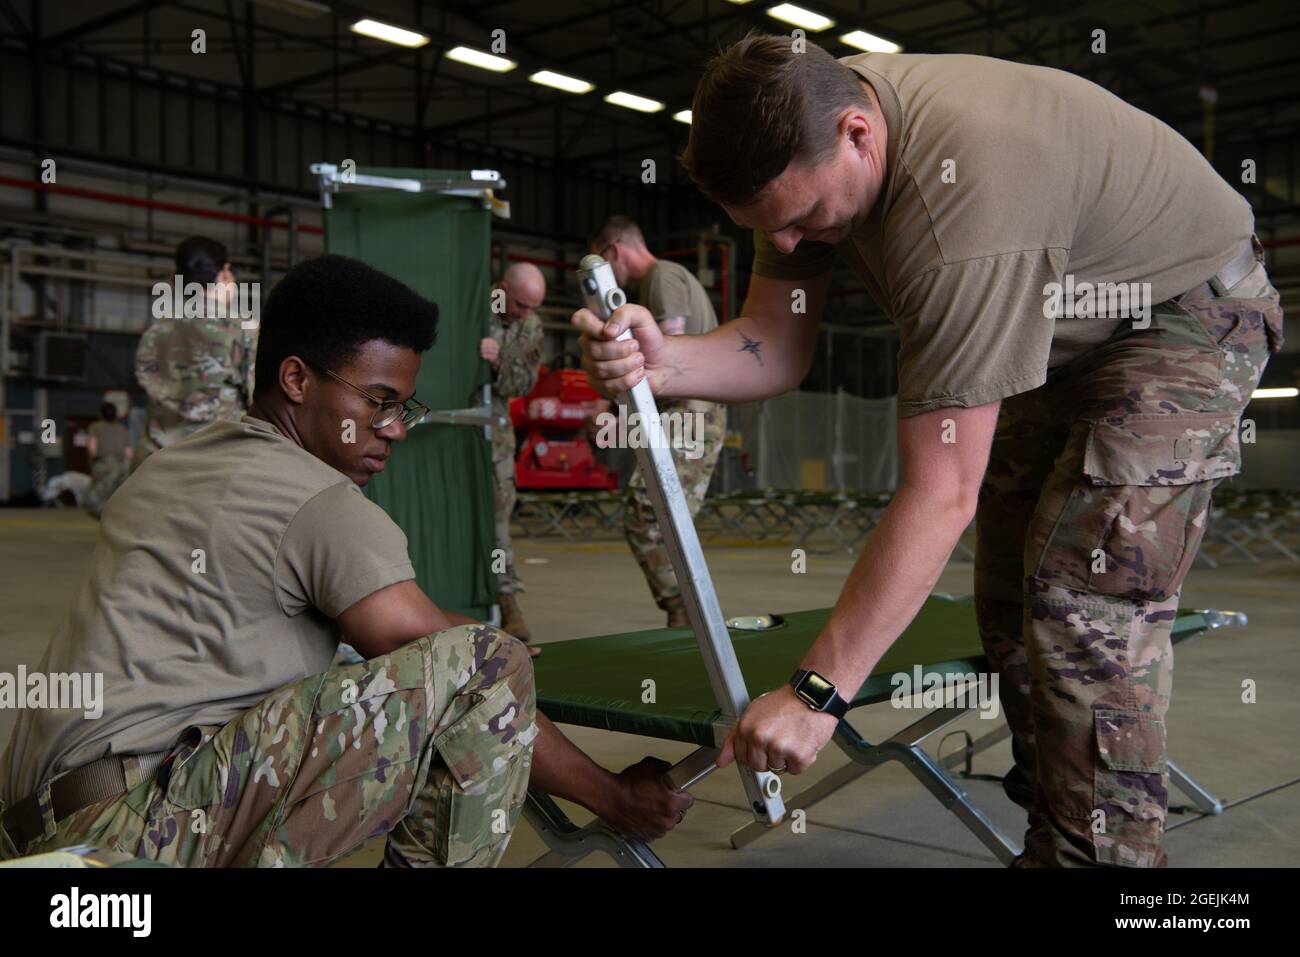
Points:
point(599, 683)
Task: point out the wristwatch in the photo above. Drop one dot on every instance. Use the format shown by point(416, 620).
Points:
point(818, 693)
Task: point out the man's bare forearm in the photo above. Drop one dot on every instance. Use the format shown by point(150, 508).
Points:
point(889, 583)
point(741, 361)
point(561, 770)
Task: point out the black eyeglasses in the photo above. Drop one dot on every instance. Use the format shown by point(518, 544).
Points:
point(390, 410)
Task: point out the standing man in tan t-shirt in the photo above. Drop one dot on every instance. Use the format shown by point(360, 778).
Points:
point(110, 452)
point(681, 307)
point(1082, 317)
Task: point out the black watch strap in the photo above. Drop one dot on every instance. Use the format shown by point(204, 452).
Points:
point(818, 693)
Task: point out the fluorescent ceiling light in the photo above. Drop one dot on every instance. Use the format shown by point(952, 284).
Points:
point(800, 17)
point(559, 81)
point(738, 1)
point(389, 33)
point(682, 116)
point(1275, 393)
point(870, 42)
point(484, 61)
point(634, 102)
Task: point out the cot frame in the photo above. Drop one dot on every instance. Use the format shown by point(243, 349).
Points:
point(567, 843)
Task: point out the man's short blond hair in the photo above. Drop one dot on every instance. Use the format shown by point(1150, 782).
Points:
point(618, 229)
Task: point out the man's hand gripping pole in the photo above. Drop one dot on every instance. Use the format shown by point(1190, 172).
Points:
point(602, 296)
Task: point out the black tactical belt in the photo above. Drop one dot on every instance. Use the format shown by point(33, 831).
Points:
point(1238, 268)
point(89, 784)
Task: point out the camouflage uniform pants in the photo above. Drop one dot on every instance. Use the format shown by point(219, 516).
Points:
point(504, 503)
point(639, 524)
point(1091, 512)
point(106, 475)
point(431, 745)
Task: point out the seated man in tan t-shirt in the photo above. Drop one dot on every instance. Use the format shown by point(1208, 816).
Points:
point(228, 568)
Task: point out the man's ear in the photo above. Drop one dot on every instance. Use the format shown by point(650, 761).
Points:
point(859, 126)
point(295, 381)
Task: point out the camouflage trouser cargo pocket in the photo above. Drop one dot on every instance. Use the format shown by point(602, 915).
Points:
point(1130, 527)
point(477, 798)
point(1129, 787)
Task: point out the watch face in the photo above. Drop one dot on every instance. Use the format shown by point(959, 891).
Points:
point(816, 690)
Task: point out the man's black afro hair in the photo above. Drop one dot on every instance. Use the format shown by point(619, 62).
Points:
point(324, 309)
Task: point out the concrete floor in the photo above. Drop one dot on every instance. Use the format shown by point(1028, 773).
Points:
point(1245, 754)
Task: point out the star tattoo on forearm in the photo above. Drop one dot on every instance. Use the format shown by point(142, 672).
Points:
point(751, 346)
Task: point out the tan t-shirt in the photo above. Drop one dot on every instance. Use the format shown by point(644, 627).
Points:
point(186, 637)
point(669, 290)
point(111, 439)
point(1050, 174)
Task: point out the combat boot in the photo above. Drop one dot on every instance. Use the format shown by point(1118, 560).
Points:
point(512, 617)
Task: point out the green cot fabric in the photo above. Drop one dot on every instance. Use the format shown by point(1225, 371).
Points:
point(601, 682)
point(438, 483)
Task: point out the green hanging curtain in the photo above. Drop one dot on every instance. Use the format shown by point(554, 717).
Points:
point(438, 483)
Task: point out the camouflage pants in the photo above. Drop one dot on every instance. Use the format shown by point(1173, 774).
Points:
point(431, 745)
point(504, 504)
point(639, 524)
point(1091, 512)
point(106, 475)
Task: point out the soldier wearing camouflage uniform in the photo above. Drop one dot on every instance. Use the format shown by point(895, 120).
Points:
point(195, 370)
point(224, 576)
point(681, 307)
point(514, 350)
point(1083, 315)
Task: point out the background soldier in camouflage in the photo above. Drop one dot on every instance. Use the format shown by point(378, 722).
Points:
point(110, 454)
point(195, 371)
point(515, 351)
point(681, 306)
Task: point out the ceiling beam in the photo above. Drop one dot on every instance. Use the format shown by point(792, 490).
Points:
point(107, 20)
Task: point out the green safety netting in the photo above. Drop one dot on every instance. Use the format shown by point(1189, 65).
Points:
point(600, 682)
point(438, 483)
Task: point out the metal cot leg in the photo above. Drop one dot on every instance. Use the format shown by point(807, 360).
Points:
point(569, 843)
point(1202, 798)
point(905, 746)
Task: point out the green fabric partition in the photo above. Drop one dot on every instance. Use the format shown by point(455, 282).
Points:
point(598, 682)
point(436, 490)
point(438, 483)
